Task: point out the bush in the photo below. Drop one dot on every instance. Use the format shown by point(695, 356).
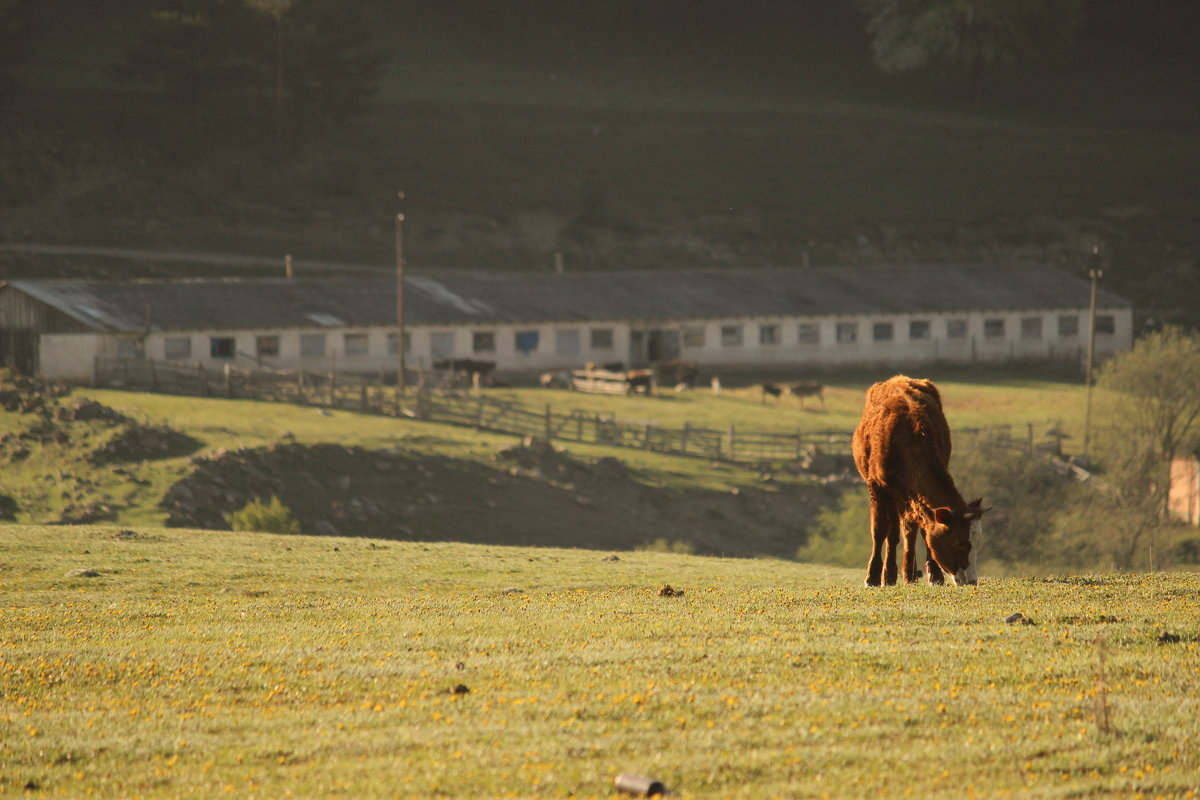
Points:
point(842, 535)
point(663, 545)
point(257, 517)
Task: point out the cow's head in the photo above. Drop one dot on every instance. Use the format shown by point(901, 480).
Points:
point(954, 540)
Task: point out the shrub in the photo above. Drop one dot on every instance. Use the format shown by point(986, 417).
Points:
point(663, 545)
point(259, 517)
point(842, 535)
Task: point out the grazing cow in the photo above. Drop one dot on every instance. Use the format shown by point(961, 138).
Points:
point(680, 374)
point(771, 389)
point(808, 389)
point(902, 450)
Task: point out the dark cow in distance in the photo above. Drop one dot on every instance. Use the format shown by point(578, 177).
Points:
point(805, 389)
point(902, 450)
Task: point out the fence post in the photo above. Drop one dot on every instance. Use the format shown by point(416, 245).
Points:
point(362, 388)
point(202, 378)
point(228, 379)
point(300, 386)
point(646, 436)
point(732, 440)
point(332, 385)
point(549, 424)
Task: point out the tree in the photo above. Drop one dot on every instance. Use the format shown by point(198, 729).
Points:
point(974, 35)
point(1153, 391)
point(15, 28)
point(314, 58)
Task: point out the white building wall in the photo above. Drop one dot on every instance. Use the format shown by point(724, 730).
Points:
point(985, 336)
point(68, 356)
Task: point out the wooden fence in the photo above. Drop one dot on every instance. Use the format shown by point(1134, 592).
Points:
point(475, 410)
point(490, 414)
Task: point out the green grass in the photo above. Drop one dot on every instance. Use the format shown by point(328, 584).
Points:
point(996, 397)
point(972, 400)
point(205, 663)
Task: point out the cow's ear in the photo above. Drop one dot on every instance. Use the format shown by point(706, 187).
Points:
point(941, 515)
point(976, 510)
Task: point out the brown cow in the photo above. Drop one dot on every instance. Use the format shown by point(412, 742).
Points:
point(902, 451)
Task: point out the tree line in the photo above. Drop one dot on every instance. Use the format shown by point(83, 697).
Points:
point(324, 59)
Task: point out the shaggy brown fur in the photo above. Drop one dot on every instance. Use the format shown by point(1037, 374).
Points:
point(902, 450)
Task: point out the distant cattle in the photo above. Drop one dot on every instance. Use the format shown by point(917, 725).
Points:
point(772, 389)
point(805, 389)
point(677, 373)
point(902, 450)
point(468, 366)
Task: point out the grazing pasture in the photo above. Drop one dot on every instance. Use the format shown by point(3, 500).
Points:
point(205, 663)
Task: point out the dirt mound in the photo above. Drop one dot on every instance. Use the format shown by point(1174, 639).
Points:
point(85, 410)
point(535, 495)
point(137, 442)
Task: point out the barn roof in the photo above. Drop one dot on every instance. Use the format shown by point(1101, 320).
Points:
point(452, 297)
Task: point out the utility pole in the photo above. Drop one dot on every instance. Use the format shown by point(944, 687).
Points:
point(400, 310)
point(1095, 274)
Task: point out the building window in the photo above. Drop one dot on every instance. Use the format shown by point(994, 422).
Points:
point(918, 329)
point(312, 345)
point(1068, 326)
point(354, 344)
point(566, 342)
point(956, 329)
point(1106, 325)
point(441, 344)
point(526, 341)
point(768, 334)
point(731, 336)
point(847, 332)
point(993, 329)
point(393, 338)
point(176, 348)
point(883, 331)
point(602, 338)
point(1031, 327)
point(483, 342)
point(222, 347)
point(693, 336)
point(808, 333)
point(266, 346)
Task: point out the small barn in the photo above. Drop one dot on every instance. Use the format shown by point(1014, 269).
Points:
point(534, 322)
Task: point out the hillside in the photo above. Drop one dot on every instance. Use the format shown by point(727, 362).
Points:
point(624, 138)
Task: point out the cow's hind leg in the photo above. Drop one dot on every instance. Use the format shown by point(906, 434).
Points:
point(889, 561)
point(883, 523)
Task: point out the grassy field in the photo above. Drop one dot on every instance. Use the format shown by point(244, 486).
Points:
point(972, 400)
point(205, 663)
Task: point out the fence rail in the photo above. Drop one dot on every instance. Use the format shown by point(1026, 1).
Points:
point(364, 394)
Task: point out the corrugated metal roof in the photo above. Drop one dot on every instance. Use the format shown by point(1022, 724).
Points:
point(453, 297)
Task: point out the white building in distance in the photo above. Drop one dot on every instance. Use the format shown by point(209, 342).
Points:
point(528, 323)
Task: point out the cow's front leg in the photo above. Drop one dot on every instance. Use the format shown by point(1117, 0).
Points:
point(936, 578)
point(910, 551)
